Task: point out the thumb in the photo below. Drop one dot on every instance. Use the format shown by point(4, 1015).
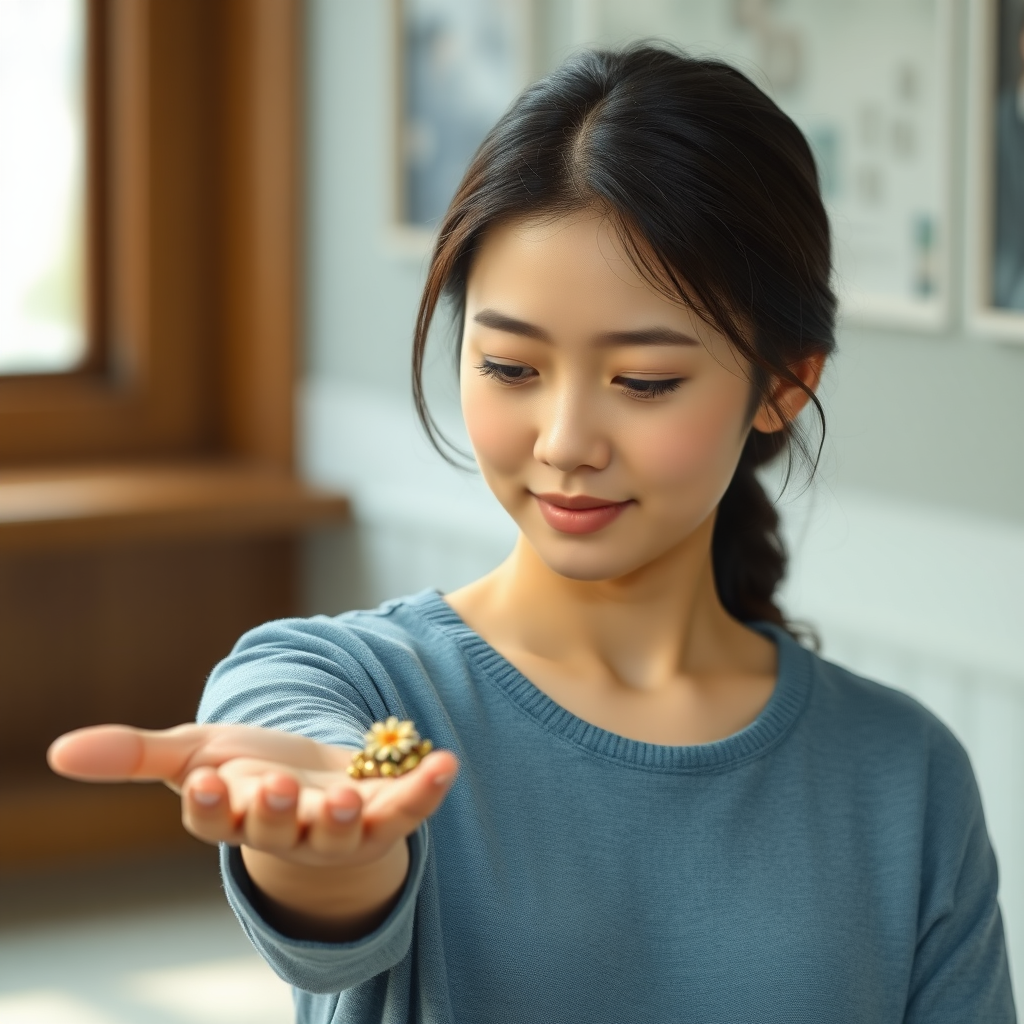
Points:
point(116, 753)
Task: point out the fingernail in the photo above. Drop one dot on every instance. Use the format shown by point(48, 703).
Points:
point(280, 801)
point(442, 780)
point(344, 813)
point(205, 797)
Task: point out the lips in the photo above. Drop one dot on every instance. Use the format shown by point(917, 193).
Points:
point(578, 513)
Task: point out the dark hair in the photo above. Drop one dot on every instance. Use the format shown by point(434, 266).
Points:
point(715, 193)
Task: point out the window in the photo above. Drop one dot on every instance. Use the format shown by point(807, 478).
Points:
point(186, 308)
point(43, 102)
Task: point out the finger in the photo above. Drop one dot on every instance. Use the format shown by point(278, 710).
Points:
point(396, 809)
point(272, 820)
point(338, 827)
point(119, 752)
point(116, 753)
point(205, 807)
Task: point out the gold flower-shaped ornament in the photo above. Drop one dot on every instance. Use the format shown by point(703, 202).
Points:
point(391, 739)
point(392, 748)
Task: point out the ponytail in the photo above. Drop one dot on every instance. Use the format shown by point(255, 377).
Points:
point(747, 552)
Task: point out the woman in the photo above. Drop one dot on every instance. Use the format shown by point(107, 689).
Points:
point(666, 808)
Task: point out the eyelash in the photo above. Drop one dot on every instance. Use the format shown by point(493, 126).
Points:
point(645, 390)
point(511, 374)
point(504, 373)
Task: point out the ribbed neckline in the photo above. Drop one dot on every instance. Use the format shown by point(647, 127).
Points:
point(770, 727)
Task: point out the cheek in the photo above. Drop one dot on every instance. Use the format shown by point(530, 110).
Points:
point(497, 424)
point(694, 447)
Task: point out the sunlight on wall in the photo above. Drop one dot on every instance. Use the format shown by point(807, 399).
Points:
point(223, 991)
point(41, 1006)
point(239, 990)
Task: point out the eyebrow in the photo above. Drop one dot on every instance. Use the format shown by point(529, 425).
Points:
point(644, 336)
point(649, 336)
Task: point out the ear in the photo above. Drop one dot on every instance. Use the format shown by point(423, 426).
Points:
point(788, 399)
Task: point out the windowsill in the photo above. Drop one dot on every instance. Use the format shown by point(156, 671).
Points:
point(84, 506)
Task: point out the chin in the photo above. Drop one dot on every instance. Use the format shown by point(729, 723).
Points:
point(588, 566)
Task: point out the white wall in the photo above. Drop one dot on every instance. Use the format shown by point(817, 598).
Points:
point(907, 554)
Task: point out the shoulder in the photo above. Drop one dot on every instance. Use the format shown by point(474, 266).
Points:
point(402, 642)
point(855, 702)
point(402, 624)
point(885, 738)
point(892, 766)
point(363, 665)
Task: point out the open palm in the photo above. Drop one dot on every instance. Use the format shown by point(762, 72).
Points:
point(268, 790)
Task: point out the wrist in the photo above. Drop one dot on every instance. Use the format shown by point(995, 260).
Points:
point(335, 903)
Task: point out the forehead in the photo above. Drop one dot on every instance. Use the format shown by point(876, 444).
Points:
point(581, 254)
point(572, 276)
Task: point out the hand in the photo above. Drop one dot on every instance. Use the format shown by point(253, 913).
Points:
point(266, 790)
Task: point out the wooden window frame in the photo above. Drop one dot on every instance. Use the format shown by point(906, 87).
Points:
point(192, 243)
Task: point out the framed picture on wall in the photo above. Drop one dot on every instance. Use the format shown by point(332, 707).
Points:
point(995, 260)
point(460, 63)
point(869, 83)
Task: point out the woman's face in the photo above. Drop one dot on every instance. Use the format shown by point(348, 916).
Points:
point(607, 419)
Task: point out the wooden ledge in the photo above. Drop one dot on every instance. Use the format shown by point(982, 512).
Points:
point(84, 506)
point(53, 820)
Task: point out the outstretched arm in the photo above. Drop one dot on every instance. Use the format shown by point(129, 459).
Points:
point(327, 852)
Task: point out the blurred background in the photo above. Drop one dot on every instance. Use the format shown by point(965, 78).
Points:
point(215, 218)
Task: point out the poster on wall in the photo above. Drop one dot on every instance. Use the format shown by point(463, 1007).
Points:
point(868, 82)
point(996, 216)
point(461, 63)
point(1008, 213)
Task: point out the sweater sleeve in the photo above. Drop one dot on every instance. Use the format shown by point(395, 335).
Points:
point(960, 968)
point(327, 966)
point(316, 678)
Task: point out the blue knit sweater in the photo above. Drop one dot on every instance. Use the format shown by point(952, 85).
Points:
point(829, 863)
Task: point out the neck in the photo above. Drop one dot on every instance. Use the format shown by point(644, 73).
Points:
point(644, 630)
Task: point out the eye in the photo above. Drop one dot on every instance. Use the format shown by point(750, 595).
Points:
point(637, 387)
point(506, 373)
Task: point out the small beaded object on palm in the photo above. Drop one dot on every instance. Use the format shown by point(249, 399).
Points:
point(392, 749)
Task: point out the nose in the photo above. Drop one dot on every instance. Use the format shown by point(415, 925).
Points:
point(570, 435)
